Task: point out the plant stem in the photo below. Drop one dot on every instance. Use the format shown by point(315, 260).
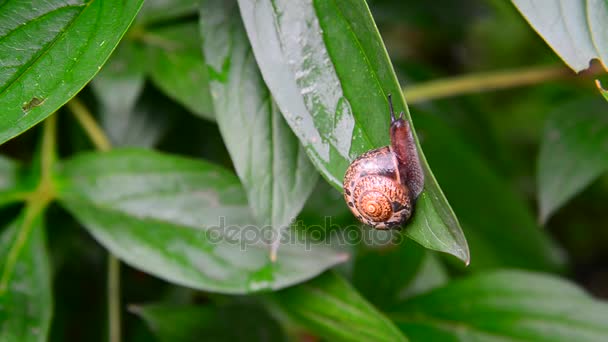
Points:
point(36, 202)
point(102, 143)
point(473, 83)
point(90, 126)
point(114, 298)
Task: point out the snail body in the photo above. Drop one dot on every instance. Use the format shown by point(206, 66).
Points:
point(381, 186)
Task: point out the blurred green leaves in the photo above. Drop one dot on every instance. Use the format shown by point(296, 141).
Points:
point(327, 68)
point(333, 309)
point(62, 46)
point(26, 301)
point(573, 152)
point(189, 323)
point(182, 220)
point(267, 156)
point(504, 306)
point(577, 30)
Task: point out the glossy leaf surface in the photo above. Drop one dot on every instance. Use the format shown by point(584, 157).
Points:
point(326, 66)
point(268, 157)
point(504, 306)
point(50, 50)
point(577, 30)
point(182, 220)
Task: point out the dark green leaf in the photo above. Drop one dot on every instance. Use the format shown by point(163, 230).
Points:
point(500, 228)
point(235, 322)
point(603, 91)
point(10, 185)
point(177, 67)
point(431, 274)
point(329, 307)
point(118, 86)
point(577, 30)
point(381, 273)
point(182, 220)
point(268, 157)
point(52, 49)
point(163, 10)
point(574, 152)
point(327, 69)
point(504, 306)
point(25, 280)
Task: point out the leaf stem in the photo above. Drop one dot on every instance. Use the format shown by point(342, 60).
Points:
point(102, 143)
point(474, 83)
point(36, 202)
point(90, 126)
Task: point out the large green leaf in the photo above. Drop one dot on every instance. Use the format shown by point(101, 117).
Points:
point(577, 30)
point(182, 220)
point(329, 307)
point(504, 306)
point(50, 50)
point(574, 152)
point(327, 69)
point(177, 67)
point(234, 322)
point(500, 227)
point(268, 157)
point(25, 280)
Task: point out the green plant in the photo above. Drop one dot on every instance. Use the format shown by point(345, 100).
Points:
point(193, 158)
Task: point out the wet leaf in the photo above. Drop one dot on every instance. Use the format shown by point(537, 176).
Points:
point(504, 306)
point(182, 220)
point(577, 30)
point(268, 157)
point(53, 49)
point(326, 66)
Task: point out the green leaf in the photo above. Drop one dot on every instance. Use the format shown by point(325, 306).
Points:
point(164, 10)
point(327, 69)
point(430, 275)
point(11, 186)
point(381, 273)
point(177, 67)
point(118, 86)
point(504, 306)
point(603, 91)
point(573, 152)
point(182, 220)
point(53, 49)
point(329, 307)
point(267, 156)
point(500, 227)
point(25, 282)
point(577, 30)
point(234, 322)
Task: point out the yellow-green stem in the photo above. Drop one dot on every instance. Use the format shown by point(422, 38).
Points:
point(474, 83)
point(90, 126)
point(102, 143)
point(36, 202)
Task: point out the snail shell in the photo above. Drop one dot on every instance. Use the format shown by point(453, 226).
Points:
point(381, 186)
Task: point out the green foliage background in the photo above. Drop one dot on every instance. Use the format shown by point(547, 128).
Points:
point(161, 120)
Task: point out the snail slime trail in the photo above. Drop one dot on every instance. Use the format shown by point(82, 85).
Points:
point(381, 186)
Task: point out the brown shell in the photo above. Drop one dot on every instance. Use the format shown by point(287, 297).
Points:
point(374, 192)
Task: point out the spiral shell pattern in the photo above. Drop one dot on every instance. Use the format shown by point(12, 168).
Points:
point(375, 196)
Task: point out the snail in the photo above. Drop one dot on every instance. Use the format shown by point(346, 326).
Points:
point(381, 186)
